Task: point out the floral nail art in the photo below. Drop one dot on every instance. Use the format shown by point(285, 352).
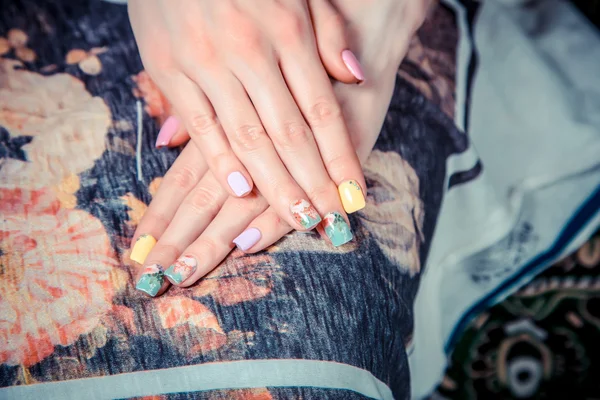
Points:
point(337, 229)
point(183, 268)
point(305, 214)
point(151, 280)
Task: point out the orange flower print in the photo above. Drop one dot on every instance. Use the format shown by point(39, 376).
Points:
point(193, 327)
point(60, 126)
point(55, 267)
point(240, 278)
point(157, 104)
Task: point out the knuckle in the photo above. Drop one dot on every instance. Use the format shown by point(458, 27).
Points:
point(208, 247)
point(249, 137)
point(251, 205)
point(242, 32)
point(292, 135)
point(276, 223)
point(203, 200)
point(323, 112)
point(291, 27)
point(184, 178)
point(202, 125)
point(338, 165)
point(164, 251)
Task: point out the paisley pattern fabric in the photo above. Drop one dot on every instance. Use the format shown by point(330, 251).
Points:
point(537, 343)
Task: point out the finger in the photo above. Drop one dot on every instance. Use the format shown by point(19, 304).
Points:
point(183, 175)
point(262, 232)
point(180, 137)
point(330, 32)
point(256, 150)
point(171, 128)
point(287, 129)
point(206, 132)
point(323, 114)
point(196, 212)
point(216, 242)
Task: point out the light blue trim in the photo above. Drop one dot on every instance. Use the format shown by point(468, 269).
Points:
point(211, 376)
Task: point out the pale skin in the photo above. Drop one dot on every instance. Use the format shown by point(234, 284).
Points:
point(194, 214)
point(256, 97)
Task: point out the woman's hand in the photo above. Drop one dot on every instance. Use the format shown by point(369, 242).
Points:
point(248, 81)
point(198, 224)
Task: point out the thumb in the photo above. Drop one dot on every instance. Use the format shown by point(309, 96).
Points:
point(330, 32)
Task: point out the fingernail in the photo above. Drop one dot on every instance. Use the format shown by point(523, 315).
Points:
point(143, 245)
point(151, 280)
point(305, 214)
point(238, 183)
point(352, 196)
point(167, 131)
point(183, 268)
point(353, 65)
point(337, 229)
point(247, 239)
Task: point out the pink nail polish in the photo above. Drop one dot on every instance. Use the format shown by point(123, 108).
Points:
point(167, 131)
point(353, 65)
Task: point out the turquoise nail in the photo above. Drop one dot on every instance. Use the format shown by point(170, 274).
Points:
point(337, 229)
point(151, 280)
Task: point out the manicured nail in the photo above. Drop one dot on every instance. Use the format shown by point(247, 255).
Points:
point(247, 239)
point(143, 245)
point(305, 214)
point(353, 65)
point(151, 280)
point(337, 229)
point(352, 196)
point(238, 183)
point(183, 268)
point(167, 131)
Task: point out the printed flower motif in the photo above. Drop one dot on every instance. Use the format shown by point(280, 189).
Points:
point(67, 126)
point(17, 40)
point(396, 222)
point(240, 278)
point(194, 328)
point(157, 104)
point(88, 62)
point(55, 278)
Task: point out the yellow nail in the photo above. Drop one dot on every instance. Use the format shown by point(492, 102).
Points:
point(142, 247)
point(352, 196)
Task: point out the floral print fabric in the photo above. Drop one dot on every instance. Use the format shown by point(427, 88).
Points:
point(78, 119)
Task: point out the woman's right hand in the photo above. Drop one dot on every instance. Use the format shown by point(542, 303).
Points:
point(194, 219)
point(250, 83)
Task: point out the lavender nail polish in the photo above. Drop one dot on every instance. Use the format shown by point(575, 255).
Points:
point(238, 183)
point(247, 239)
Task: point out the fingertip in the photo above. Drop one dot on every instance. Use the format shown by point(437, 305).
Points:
point(239, 184)
point(353, 65)
point(167, 131)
